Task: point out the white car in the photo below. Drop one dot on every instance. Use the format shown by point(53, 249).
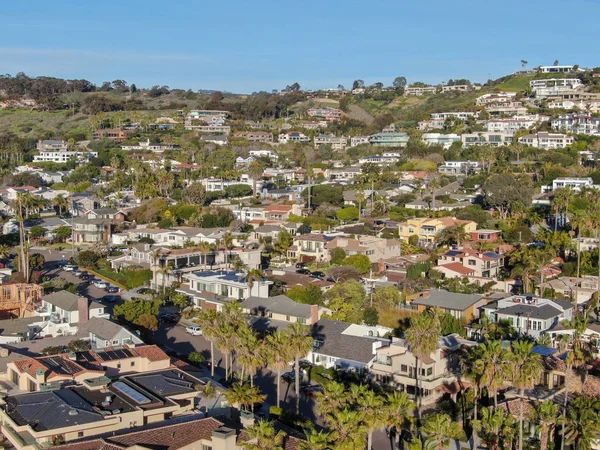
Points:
point(100, 284)
point(69, 268)
point(194, 330)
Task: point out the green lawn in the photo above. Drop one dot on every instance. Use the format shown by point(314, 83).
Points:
point(515, 83)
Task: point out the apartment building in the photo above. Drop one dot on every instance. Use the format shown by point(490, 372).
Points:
point(480, 264)
point(529, 315)
point(395, 366)
point(372, 247)
point(460, 168)
point(209, 289)
point(495, 139)
point(419, 91)
point(445, 140)
point(337, 143)
point(577, 123)
point(547, 141)
point(293, 136)
point(426, 229)
point(389, 139)
point(256, 136)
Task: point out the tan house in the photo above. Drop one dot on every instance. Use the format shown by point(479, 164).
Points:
point(278, 312)
point(481, 264)
point(426, 229)
point(395, 366)
point(373, 247)
point(256, 136)
point(113, 134)
point(309, 247)
point(464, 307)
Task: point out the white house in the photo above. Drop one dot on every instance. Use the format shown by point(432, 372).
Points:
point(293, 136)
point(460, 167)
point(462, 115)
point(62, 156)
point(445, 140)
point(358, 140)
point(337, 143)
point(577, 123)
point(556, 69)
point(547, 140)
point(495, 139)
point(569, 182)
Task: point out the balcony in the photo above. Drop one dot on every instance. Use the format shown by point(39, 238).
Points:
point(20, 441)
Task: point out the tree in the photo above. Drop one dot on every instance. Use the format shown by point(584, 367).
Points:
point(452, 235)
point(359, 262)
point(208, 321)
point(422, 337)
point(244, 395)
point(397, 409)
point(371, 407)
point(324, 193)
point(37, 232)
point(546, 414)
point(523, 64)
point(347, 214)
point(61, 233)
point(180, 300)
point(582, 422)
point(279, 352)
point(87, 258)
point(503, 190)
point(357, 84)
point(344, 300)
point(370, 316)
point(194, 194)
point(491, 362)
point(399, 82)
point(300, 343)
point(496, 428)
point(134, 309)
point(255, 171)
point(147, 321)
point(78, 345)
point(4, 251)
point(284, 242)
point(196, 358)
point(37, 261)
point(337, 255)
point(263, 436)
point(344, 273)
point(308, 295)
point(440, 430)
point(527, 369)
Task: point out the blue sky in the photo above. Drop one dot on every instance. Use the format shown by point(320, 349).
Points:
point(246, 46)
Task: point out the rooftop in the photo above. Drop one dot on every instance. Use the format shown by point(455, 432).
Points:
point(279, 304)
point(449, 300)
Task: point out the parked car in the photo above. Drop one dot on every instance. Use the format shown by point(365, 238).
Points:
point(77, 272)
point(303, 271)
point(70, 268)
point(100, 284)
point(318, 274)
point(194, 330)
point(112, 289)
point(300, 265)
point(313, 390)
point(85, 276)
point(111, 298)
point(168, 318)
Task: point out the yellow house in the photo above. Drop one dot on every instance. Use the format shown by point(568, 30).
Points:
point(426, 229)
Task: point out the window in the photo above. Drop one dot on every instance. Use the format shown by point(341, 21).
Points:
point(429, 371)
point(132, 364)
point(118, 365)
point(115, 342)
point(80, 434)
point(301, 320)
point(471, 262)
point(287, 318)
point(107, 343)
point(403, 368)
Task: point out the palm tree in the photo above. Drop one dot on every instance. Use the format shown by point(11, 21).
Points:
point(156, 254)
point(227, 242)
point(371, 407)
point(279, 353)
point(208, 321)
point(582, 422)
point(360, 198)
point(490, 361)
point(397, 409)
point(495, 428)
point(568, 374)
point(546, 415)
point(540, 259)
point(4, 251)
point(560, 202)
point(252, 276)
point(263, 436)
point(526, 369)
point(244, 395)
point(164, 272)
point(440, 430)
point(315, 440)
point(422, 337)
point(300, 343)
point(348, 430)
point(309, 174)
point(255, 171)
point(61, 202)
point(454, 234)
point(579, 219)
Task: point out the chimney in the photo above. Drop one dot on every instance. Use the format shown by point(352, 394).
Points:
point(223, 438)
point(84, 310)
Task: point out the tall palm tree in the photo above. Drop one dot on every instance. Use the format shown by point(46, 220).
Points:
point(208, 321)
point(583, 422)
point(61, 202)
point(440, 430)
point(540, 259)
point(164, 272)
point(371, 407)
point(527, 369)
point(244, 395)
point(360, 199)
point(315, 440)
point(347, 428)
point(279, 354)
point(454, 234)
point(568, 374)
point(491, 361)
point(397, 409)
point(255, 171)
point(156, 254)
point(495, 428)
point(263, 436)
point(422, 337)
point(560, 203)
point(252, 276)
point(300, 342)
point(579, 219)
point(546, 414)
point(227, 241)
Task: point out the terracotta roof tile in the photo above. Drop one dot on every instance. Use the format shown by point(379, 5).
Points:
point(152, 352)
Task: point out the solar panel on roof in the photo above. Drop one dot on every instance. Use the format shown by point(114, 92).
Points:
point(453, 253)
point(491, 254)
point(131, 393)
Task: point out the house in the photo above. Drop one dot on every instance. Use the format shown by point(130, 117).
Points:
point(345, 346)
point(372, 247)
point(482, 264)
point(211, 128)
point(436, 206)
point(264, 154)
point(256, 136)
point(63, 312)
point(574, 183)
point(445, 140)
point(293, 136)
point(147, 146)
point(547, 141)
point(529, 315)
point(290, 279)
point(460, 168)
point(461, 115)
point(485, 235)
point(52, 146)
point(281, 212)
point(328, 113)
point(386, 159)
point(431, 124)
point(19, 329)
point(211, 289)
point(577, 123)
point(426, 229)
point(494, 98)
point(309, 247)
point(219, 140)
point(278, 312)
point(395, 367)
point(549, 87)
point(113, 134)
point(457, 87)
point(344, 174)
point(91, 230)
point(207, 114)
point(106, 213)
point(556, 69)
point(82, 203)
point(418, 91)
point(63, 156)
point(579, 290)
point(337, 143)
point(389, 139)
point(102, 333)
point(358, 140)
point(495, 139)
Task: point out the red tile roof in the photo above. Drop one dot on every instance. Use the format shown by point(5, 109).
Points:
point(456, 267)
point(151, 352)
